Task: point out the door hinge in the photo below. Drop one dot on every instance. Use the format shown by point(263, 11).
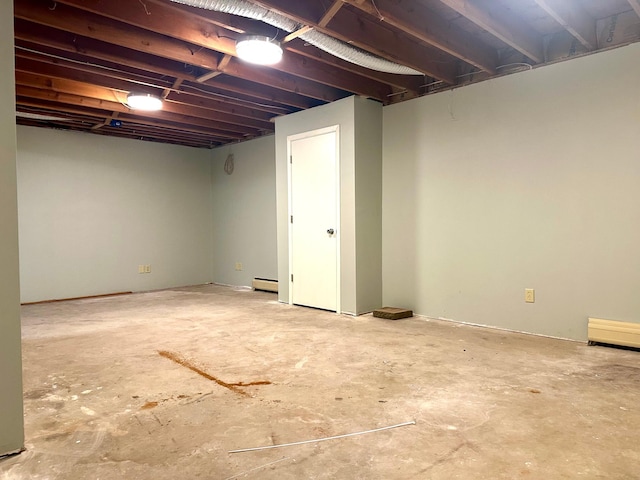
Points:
point(292, 277)
point(291, 218)
point(290, 158)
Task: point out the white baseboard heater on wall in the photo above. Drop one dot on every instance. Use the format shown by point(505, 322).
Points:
point(614, 333)
point(265, 285)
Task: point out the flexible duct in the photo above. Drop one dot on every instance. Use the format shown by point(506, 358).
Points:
point(324, 42)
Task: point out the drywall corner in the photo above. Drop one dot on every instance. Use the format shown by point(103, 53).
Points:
point(11, 413)
point(368, 204)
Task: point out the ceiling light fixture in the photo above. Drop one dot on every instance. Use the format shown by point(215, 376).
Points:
point(259, 50)
point(144, 101)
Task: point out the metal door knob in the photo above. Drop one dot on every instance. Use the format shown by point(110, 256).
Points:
point(330, 231)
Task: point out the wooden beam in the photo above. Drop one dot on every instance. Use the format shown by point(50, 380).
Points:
point(410, 83)
point(100, 28)
point(175, 86)
point(90, 95)
point(415, 19)
point(166, 120)
point(107, 121)
point(29, 61)
point(158, 130)
point(220, 69)
point(247, 26)
point(368, 34)
point(635, 4)
point(39, 71)
point(34, 97)
point(574, 19)
point(296, 34)
point(195, 30)
point(208, 76)
point(330, 13)
point(510, 29)
point(90, 50)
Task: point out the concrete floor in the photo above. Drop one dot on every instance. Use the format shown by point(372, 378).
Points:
point(142, 387)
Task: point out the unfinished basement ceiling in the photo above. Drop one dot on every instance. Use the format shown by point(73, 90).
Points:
point(76, 60)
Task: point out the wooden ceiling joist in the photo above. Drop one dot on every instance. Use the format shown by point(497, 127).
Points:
point(58, 78)
point(368, 34)
point(87, 50)
point(220, 69)
point(330, 13)
point(409, 83)
point(168, 122)
point(53, 65)
point(296, 34)
point(416, 19)
point(512, 31)
point(107, 30)
point(80, 99)
point(174, 87)
point(574, 19)
point(195, 30)
point(107, 121)
point(248, 26)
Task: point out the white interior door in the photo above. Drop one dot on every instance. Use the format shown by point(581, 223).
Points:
point(314, 219)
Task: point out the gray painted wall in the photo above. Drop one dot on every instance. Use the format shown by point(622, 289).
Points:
point(368, 195)
point(244, 213)
point(525, 181)
point(93, 208)
point(11, 423)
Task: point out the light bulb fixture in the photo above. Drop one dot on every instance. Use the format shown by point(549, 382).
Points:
point(144, 101)
point(259, 50)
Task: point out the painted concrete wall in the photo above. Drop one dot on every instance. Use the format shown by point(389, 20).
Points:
point(92, 208)
point(11, 423)
point(360, 197)
point(244, 213)
point(526, 181)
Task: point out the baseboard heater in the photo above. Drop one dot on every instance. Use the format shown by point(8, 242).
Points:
point(265, 285)
point(614, 333)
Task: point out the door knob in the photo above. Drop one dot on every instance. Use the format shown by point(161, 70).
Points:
point(331, 231)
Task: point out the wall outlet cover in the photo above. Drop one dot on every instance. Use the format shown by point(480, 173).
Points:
point(529, 295)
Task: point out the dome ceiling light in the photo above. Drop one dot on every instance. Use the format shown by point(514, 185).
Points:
point(259, 50)
point(144, 101)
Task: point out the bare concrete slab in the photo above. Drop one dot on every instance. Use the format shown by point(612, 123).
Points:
point(162, 385)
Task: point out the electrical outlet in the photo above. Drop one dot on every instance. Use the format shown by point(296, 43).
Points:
point(140, 268)
point(147, 269)
point(529, 295)
point(238, 266)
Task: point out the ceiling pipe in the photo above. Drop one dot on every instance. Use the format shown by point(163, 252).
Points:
point(320, 40)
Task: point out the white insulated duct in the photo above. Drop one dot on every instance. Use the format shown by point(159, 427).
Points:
point(324, 42)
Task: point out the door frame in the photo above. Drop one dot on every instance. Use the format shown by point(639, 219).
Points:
point(290, 139)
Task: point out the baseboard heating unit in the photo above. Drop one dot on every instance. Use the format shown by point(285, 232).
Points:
point(265, 285)
point(614, 333)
